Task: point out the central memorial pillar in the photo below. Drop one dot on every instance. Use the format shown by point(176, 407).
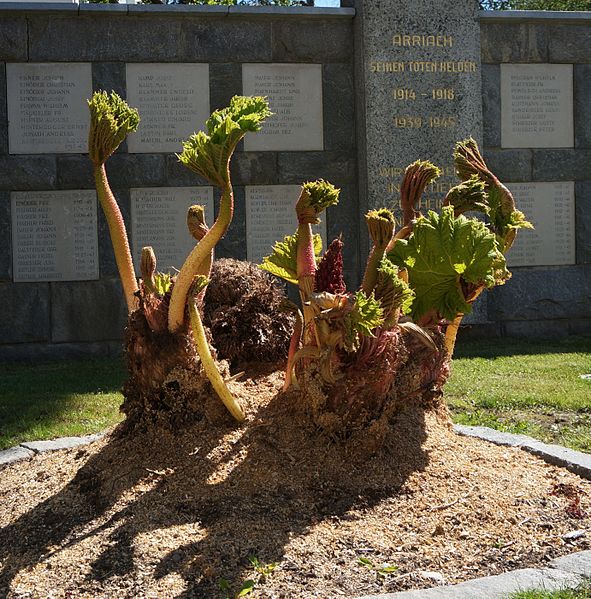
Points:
point(419, 91)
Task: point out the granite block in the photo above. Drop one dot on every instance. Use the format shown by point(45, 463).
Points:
point(575, 461)
point(25, 312)
point(5, 239)
point(491, 105)
point(25, 172)
point(254, 168)
point(583, 221)
point(107, 262)
point(579, 327)
point(510, 165)
point(61, 443)
point(578, 563)
point(108, 76)
point(100, 37)
point(561, 165)
point(569, 43)
point(487, 330)
point(543, 294)
point(312, 41)
point(178, 175)
point(136, 170)
point(514, 42)
point(225, 39)
point(339, 107)
point(74, 171)
point(233, 244)
point(87, 311)
point(13, 39)
point(298, 167)
point(537, 329)
point(582, 75)
point(15, 454)
point(225, 81)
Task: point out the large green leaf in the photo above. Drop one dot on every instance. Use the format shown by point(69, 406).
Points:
point(283, 260)
point(442, 251)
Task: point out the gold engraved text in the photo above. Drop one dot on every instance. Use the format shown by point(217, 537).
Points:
point(386, 67)
point(423, 41)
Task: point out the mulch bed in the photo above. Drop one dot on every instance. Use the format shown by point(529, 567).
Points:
point(172, 514)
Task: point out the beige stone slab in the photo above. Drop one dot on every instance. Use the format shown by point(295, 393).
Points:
point(54, 235)
point(173, 101)
point(270, 216)
point(47, 109)
point(159, 219)
point(295, 97)
point(551, 209)
point(537, 106)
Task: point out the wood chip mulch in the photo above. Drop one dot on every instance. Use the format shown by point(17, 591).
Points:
point(165, 514)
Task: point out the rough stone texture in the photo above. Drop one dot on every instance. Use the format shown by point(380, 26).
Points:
point(492, 435)
point(99, 37)
point(225, 81)
point(75, 172)
point(569, 43)
point(582, 76)
point(514, 42)
point(510, 165)
point(491, 105)
point(561, 165)
point(61, 443)
point(583, 221)
point(178, 175)
point(3, 110)
point(13, 39)
point(233, 244)
point(339, 107)
point(494, 587)
point(225, 40)
point(553, 293)
point(487, 330)
point(298, 167)
point(107, 263)
point(25, 312)
point(72, 303)
point(312, 41)
point(15, 454)
point(578, 563)
point(5, 239)
point(136, 170)
point(537, 329)
point(28, 352)
point(108, 76)
point(254, 168)
point(24, 173)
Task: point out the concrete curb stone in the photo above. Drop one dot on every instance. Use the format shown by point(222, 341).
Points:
point(15, 454)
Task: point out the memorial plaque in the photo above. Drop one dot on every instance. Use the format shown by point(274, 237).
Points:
point(295, 98)
point(54, 235)
point(47, 107)
point(550, 207)
point(173, 102)
point(270, 216)
point(537, 106)
point(421, 64)
point(159, 219)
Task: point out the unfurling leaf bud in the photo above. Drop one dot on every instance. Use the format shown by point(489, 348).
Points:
point(199, 283)
point(315, 197)
point(416, 178)
point(196, 222)
point(148, 268)
point(380, 224)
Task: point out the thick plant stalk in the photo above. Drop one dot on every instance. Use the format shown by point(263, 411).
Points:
point(294, 346)
point(452, 330)
point(148, 268)
point(380, 224)
point(201, 252)
point(209, 366)
point(118, 236)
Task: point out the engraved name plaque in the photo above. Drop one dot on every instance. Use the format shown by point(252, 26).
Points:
point(270, 216)
point(173, 102)
point(47, 109)
point(550, 207)
point(294, 92)
point(159, 219)
point(54, 235)
point(537, 106)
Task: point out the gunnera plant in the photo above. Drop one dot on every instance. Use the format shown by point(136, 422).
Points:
point(172, 366)
point(358, 356)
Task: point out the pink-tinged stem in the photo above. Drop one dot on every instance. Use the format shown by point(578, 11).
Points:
point(118, 236)
point(294, 345)
point(306, 261)
point(193, 263)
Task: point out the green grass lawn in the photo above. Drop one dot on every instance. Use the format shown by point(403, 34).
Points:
point(582, 592)
point(530, 387)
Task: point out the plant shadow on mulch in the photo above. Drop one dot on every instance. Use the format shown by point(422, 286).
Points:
point(250, 489)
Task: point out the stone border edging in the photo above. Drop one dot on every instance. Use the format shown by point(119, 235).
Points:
point(564, 572)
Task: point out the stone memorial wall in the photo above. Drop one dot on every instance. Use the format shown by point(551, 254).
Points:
point(358, 93)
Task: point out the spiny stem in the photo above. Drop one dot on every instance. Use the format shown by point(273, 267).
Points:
point(118, 236)
point(294, 345)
